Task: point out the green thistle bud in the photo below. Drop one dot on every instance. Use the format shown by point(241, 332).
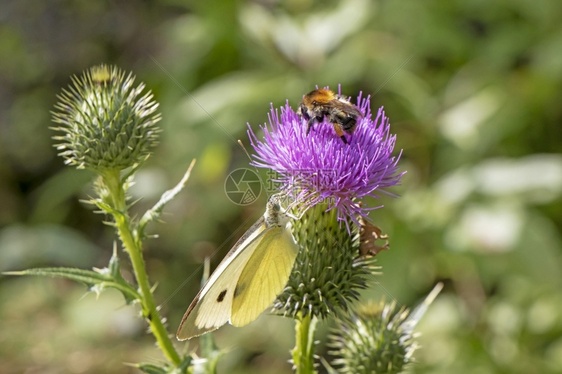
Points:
point(328, 271)
point(105, 123)
point(378, 338)
point(373, 339)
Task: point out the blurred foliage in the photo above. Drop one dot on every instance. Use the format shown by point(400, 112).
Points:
point(472, 88)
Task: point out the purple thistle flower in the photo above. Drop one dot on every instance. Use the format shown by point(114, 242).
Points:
point(319, 167)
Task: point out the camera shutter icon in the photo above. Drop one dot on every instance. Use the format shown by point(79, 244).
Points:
point(242, 186)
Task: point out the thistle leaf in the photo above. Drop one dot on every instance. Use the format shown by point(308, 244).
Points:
point(96, 279)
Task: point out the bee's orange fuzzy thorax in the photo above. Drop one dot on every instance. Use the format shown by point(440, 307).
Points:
point(320, 96)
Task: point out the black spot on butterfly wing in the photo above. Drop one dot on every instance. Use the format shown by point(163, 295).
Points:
point(221, 296)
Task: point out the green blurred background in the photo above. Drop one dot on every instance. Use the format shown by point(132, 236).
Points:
point(474, 93)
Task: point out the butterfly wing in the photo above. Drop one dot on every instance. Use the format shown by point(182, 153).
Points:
point(264, 276)
point(212, 306)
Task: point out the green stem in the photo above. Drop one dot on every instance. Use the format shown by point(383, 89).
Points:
point(133, 245)
point(303, 353)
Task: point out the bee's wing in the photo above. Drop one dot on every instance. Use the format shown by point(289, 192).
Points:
point(212, 307)
point(264, 276)
point(345, 106)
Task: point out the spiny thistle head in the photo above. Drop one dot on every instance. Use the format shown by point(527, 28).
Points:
point(376, 338)
point(319, 167)
point(329, 271)
point(105, 122)
point(329, 179)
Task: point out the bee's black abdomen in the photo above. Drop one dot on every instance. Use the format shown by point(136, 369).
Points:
point(349, 124)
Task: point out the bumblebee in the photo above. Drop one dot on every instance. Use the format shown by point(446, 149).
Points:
point(322, 103)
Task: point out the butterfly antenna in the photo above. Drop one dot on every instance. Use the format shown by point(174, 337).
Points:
point(255, 169)
point(244, 149)
point(278, 197)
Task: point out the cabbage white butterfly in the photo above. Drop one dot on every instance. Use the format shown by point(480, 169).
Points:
point(248, 279)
